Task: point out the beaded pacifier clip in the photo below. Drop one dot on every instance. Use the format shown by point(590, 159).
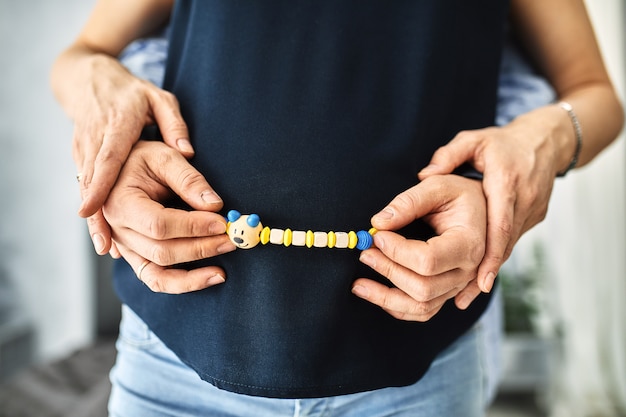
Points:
point(246, 231)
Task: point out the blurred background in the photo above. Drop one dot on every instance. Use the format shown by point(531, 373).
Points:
point(564, 287)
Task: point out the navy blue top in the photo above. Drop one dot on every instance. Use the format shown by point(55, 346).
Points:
point(314, 114)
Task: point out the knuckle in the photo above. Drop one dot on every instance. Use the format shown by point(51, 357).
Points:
point(385, 300)
point(154, 284)
point(420, 313)
point(175, 125)
point(504, 226)
point(405, 201)
point(167, 96)
point(188, 178)
point(426, 264)
point(421, 309)
point(108, 156)
point(157, 227)
point(422, 292)
point(161, 256)
point(476, 254)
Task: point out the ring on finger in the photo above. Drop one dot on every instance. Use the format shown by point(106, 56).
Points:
point(141, 268)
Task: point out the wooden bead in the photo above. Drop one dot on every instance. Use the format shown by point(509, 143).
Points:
point(342, 240)
point(320, 239)
point(299, 238)
point(277, 236)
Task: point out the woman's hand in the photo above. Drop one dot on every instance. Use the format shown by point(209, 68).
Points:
point(519, 163)
point(109, 116)
point(108, 105)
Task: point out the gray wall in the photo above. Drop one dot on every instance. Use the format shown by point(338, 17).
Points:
point(44, 246)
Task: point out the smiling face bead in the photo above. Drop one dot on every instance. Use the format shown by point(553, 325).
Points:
point(244, 230)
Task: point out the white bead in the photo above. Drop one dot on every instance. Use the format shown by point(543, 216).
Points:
point(320, 239)
point(276, 236)
point(299, 238)
point(342, 240)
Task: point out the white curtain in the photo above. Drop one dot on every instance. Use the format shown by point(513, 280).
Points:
point(584, 238)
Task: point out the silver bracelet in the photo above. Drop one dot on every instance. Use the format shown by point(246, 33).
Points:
point(579, 136)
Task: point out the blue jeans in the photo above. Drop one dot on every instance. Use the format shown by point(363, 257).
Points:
point(149, 381)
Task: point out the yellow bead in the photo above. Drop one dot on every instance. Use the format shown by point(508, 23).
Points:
point(332, 239)
point(265, 235)
point(287, 237)
point(352, 240)
point(372, 231)
point(310, 238)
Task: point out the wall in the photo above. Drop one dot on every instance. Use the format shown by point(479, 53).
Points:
point(43, 244)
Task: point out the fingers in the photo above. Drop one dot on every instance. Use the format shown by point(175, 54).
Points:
point(103, 144)
point(464, 298)
point(422, 287)
point(174, 251)
point(500, 228)
point(171, 280)
point(437, 255)
point(100, 233)
point(184, 180)
point(408, 206)
point(427, 273)
point(173, 128)
point(151, 219)
point(102, 172)
point(449, 157)
point(398, 303)
point(164, 235)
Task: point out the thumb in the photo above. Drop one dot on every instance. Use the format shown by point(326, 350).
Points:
point(173, 128)
point(409, 205)
point(451, 156)
point(188, 183)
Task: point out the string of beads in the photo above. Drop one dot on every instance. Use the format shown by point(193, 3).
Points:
point(246, 231)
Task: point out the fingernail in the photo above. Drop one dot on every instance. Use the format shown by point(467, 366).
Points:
point(428, 169)
point(216, 279)
point(379, 242)
point(226, 247)
point(367, 259)
point(464, 301)
point(217, 228)
point(385, 214)
point(98, 243)
point(211, 197)
point(360, 291)
point(488, 282)
point(184, 145)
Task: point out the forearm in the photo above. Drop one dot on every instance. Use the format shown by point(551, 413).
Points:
point(112, 25)
point(600, 116)
point(566, 51)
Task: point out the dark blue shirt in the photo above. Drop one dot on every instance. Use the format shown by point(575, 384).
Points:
point(314, 114)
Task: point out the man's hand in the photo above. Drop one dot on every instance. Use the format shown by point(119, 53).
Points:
point(426, 274)
point(144, 230)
